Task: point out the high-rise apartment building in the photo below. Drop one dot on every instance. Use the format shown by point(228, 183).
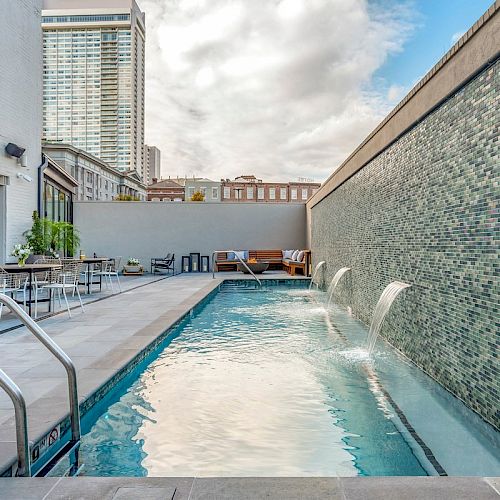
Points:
point(152, 158)
point(93, 78)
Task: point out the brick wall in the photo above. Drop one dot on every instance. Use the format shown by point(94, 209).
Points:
point(425, 211)
point(20, 112)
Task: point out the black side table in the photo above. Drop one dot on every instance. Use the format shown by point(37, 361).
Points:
point(205, 264)
point(186, 264)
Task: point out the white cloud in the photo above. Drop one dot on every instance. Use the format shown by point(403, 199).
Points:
point(277, 88)
point(456, 37)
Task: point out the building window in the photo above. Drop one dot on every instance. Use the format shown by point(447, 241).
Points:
point(227, 192)
point(190, 192)
point(203, 191)
point(294, 194)
point(272, 193)
point(283, 193)
point(215, 193)
point(260, 193)
point(89, 177)
point(304, 193)
point(249, 193)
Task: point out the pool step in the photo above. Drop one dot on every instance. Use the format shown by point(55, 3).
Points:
point(240, 286)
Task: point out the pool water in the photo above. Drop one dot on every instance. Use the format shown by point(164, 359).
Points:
point(267, 383)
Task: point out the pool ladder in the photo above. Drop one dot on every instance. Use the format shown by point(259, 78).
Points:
point(215, 252)
point(15, 394)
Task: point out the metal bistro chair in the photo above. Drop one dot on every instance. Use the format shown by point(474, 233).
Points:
point(109, 270)
point(11, 284)
point(166, 263)
point(62, 279)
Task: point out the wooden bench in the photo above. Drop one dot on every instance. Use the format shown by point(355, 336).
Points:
point(274, 257)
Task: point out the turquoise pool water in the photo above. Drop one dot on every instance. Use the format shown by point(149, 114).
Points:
point(267, 383)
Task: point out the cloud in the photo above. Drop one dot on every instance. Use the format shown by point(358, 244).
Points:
point(456, 37)
point(277, 88)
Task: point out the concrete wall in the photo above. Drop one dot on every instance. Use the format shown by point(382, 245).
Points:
point(425, 211)
point(20, 114)
point(152, 229)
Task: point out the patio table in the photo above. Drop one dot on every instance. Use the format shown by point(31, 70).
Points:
point(88, 261)
point(31, 269)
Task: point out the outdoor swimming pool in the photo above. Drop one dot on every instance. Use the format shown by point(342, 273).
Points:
point(267, 383)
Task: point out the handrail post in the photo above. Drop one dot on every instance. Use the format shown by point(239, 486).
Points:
point(23, 449)
point(35, 329)
point(239, 258)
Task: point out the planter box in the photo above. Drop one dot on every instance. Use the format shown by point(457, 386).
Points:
point(133, 270)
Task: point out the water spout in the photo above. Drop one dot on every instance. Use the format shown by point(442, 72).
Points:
point(335, 282)
point(319, 265)
point(388, 296)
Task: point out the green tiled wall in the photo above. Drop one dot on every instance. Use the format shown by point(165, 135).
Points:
point(425, 211)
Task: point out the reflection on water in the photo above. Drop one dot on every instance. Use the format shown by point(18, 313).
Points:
point(257, 384)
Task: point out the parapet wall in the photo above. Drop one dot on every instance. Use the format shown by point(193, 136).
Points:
point(153, 229)
point(422, 207)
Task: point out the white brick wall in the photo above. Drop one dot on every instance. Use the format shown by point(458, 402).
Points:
point(20, 111)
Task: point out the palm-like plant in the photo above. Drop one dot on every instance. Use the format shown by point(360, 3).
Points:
point(47, 237)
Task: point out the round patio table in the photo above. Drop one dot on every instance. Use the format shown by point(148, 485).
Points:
point(31, 269)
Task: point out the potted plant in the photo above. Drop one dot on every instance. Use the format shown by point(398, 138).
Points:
point(47, 237)
point(133, 266)
point(22, 252)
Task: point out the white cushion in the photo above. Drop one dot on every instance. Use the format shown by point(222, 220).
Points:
point(287, 254)
point(295, 254)
point(300, 257)
point(242, 254)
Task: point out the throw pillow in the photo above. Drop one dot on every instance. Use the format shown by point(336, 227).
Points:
point(300, 257)
point(295, 255)
point(287, 254)
point(242, 254)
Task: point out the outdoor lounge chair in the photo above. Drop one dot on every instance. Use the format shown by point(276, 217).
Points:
point(166, 263)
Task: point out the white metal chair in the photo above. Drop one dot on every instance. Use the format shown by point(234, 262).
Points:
point(109, 270)
point(61, 279)
point(11, 284)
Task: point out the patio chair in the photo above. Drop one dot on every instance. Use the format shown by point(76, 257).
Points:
point(167, 263)
point(61, 279)
point(110, 270)
point(11, 284)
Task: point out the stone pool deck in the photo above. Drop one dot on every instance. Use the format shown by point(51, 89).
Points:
point(251, 488)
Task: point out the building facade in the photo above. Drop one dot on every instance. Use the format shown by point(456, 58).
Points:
point(210, 189)
point(165, 190)
point(96, 180)
point(20, 119)
point(248, 189)
point(152, 157)
point(93, 79)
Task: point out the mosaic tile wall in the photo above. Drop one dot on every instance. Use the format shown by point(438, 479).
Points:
point(425, 211)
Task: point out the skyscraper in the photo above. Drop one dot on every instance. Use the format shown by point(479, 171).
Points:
point(93, 78)
point(152, 159)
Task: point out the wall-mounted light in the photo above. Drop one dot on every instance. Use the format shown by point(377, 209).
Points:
point(25, 177)
point(14, 150)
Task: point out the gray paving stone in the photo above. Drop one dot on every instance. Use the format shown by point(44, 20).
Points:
point(144, 493)
point(252, 488)
point(417, 488)
point(119, 488)
point(26, 488)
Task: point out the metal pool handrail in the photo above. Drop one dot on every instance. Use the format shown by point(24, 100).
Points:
point(239, 258)
point(23, 450)
point(59, 354)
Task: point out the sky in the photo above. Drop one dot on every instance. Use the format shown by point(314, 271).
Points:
point(284, 89)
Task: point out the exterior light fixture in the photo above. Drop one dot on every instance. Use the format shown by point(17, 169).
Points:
point(14, 150)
